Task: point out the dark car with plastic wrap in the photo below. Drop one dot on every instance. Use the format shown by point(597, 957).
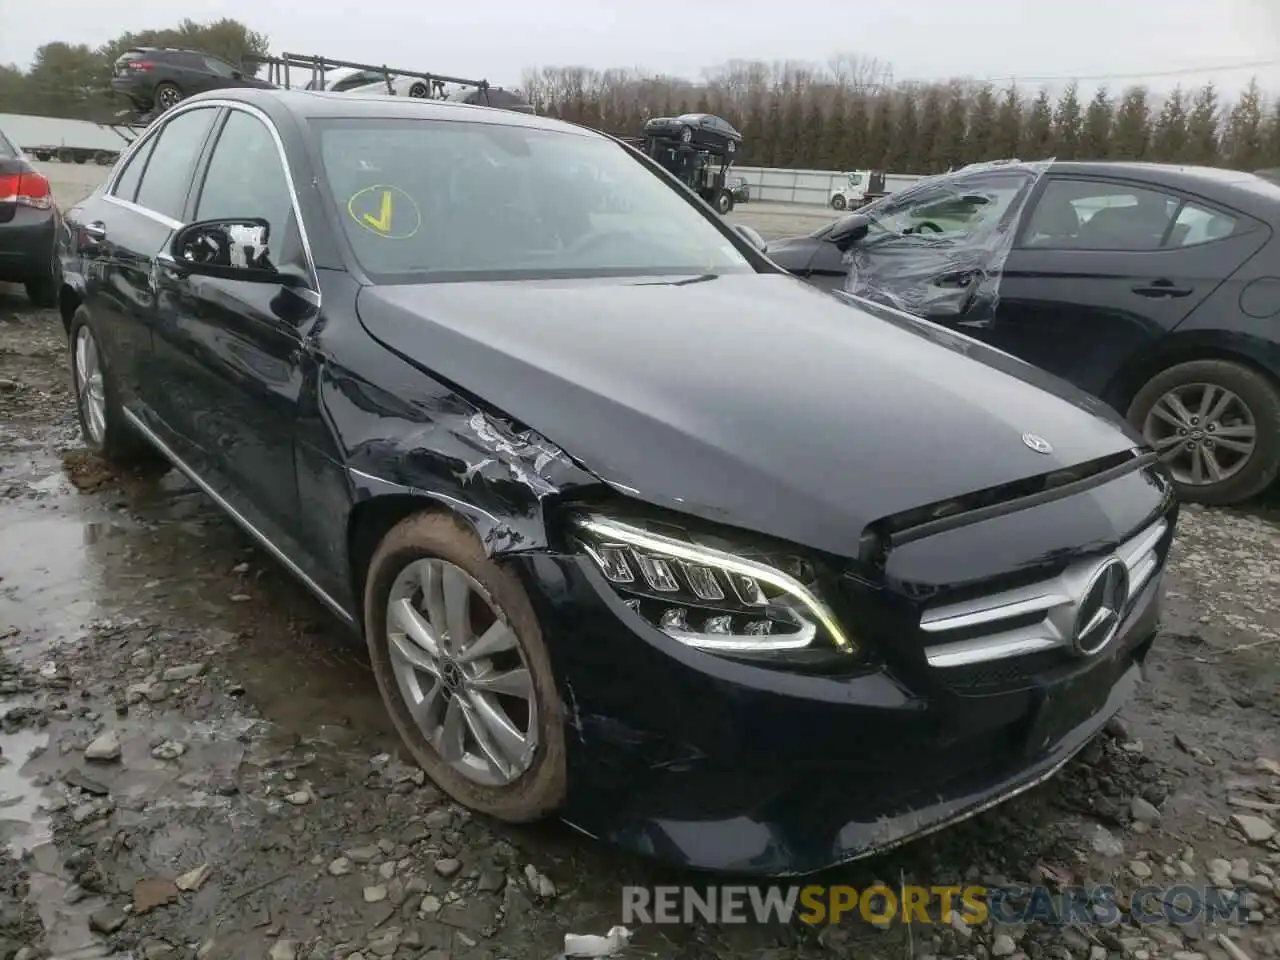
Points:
point(620, 552)
point(1153, 287)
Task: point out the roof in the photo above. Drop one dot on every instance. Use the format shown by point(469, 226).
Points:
point(1211, 182)
point(26, 131)
point(315, 104)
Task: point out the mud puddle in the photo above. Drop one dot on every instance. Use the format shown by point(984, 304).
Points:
point(248, 794)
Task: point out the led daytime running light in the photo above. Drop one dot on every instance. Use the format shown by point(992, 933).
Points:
point(691, 553)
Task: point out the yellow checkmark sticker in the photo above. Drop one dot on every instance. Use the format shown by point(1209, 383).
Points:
point(383, 223)
point(386, 211)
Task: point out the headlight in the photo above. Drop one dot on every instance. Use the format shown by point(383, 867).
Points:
point(713, 597)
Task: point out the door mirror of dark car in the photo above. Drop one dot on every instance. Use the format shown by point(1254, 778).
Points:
point(752, 237)
point(847, 231)
point(231, 249)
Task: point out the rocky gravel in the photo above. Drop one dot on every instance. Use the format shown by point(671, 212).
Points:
point(194, 761)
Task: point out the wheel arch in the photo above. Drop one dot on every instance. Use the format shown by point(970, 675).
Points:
point(370, 520)
point(1250, 352)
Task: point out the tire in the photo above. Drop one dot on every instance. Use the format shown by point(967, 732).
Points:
point(1258, 399)
point(686, 134)
point(117, 441)
point(724, 202)
point(79, 158)
point(418, 90)
point(167, 95)
point(838, 202)
point(433, 538)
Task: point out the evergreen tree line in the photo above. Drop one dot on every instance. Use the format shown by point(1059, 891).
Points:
point(846, 114)
point(859, 118)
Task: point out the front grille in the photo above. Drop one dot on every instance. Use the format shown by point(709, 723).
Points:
point(989, 676)
point(1035, 618)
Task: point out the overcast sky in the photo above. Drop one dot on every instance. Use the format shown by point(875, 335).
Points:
point(925, 39)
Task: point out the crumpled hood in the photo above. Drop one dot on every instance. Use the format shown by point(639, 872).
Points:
point(751, 400)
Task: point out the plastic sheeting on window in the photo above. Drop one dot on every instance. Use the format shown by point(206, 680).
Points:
point(937, 249)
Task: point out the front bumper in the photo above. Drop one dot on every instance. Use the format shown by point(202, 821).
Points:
point(26, 244)
point(716, 765)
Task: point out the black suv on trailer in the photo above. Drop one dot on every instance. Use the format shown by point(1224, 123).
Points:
point(155, 78)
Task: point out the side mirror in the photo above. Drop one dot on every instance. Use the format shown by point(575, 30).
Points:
point(752, 237)
point(849, 230)
point(230, 249)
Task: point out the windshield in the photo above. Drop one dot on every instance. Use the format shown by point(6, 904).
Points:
point(424, 200)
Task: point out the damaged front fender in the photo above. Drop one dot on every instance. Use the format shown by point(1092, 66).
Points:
point(428, 442)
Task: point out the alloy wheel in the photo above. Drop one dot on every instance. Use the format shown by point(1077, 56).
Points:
point(168, 97)
point(89, 389)
point(462, 672)
point(1203, 432)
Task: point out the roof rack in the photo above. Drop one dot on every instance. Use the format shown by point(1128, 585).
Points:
point(279, 72)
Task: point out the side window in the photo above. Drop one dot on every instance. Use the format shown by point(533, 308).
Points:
point(357, 80)
point(173, 159)
point(1096, 215)
point(221, 68)
point(1196, 225)
point(127, 186)
point(246, 178)
point(953, 209)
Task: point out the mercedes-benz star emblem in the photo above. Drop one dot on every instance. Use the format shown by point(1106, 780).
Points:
point(1038, 444)
point(1098, 617)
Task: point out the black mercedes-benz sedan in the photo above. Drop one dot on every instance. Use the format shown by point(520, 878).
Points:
point(1151, 286)
point(639, 530)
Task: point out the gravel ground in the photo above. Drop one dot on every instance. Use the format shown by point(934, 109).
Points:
point(195, 762)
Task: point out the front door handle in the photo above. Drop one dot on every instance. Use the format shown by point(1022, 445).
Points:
point(93, 233)
point(1161, 288)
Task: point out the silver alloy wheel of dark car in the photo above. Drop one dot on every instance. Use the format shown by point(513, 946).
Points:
point(686, 134)
point(1216, 425)
point(90, 386)
point(1204, 432)
point(458, 654)
point(167, 95)
point(462, 672)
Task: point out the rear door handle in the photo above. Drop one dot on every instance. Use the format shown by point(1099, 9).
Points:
point(1162, 288)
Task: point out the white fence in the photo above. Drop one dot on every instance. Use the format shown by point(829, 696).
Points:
point(27, 131)
point(805, 186)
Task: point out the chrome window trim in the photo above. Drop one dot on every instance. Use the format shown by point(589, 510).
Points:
point(159, 218)
point(163, 121)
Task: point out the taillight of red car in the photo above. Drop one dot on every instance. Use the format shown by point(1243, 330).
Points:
point(28, 189)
